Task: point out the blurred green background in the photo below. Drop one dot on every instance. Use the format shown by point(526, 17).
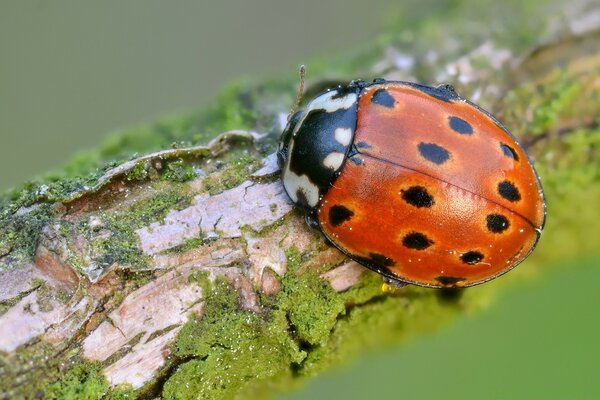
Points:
point(73, 71)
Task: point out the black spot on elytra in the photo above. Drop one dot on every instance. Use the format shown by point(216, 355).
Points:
point(434, 153)
point(378, 263)
point(461, 126)
point(497, 223)
point(416, 241)
point(449, 280)
point(509, 151)
point(471, 257)
point(509, 191)
point(382, 260)
point(417, 196)
point(383, 98)
point(339, 214)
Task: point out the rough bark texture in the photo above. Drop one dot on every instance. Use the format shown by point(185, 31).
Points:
point(186, 273)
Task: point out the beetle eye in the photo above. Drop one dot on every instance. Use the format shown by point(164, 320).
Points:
point(286, 136)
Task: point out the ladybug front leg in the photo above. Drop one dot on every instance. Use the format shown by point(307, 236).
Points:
point(312, 221)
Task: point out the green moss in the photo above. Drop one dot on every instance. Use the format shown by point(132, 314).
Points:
point(333, 326)
point(552, 102)
point(122, 245)
point(178, 171)
point(234, 174)
point(121, 392)
point(19, 381)
point(235, 350)
point(188, 245)
point(82, 381)
point(19, 235)
point(201, 278)
point(570, 174)
point(64, 376)
point(123, 350)
point(138, 173)
point(231, 352)
point(311, 304)
point(8, 304)
point(557, 102)
point(161, 332)
point(155, 208)
point(6, 243)
point(46, 293)
point(230, 349)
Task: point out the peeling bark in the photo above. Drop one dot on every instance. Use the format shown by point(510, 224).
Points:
point(135, 337)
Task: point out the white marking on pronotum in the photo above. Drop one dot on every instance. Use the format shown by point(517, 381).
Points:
point(294, 182)
point(334, 160)
point(327, 103)
point(343, 136)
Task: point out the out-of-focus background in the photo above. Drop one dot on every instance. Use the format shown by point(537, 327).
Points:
point(72, 72)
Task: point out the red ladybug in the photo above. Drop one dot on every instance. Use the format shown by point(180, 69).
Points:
point(413, 182)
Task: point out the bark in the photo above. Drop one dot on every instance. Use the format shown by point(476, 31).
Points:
point(63, 297)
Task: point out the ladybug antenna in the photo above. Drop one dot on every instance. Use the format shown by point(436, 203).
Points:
point(300, 92)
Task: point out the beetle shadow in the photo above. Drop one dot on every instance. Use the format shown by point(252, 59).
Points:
point(450, 295)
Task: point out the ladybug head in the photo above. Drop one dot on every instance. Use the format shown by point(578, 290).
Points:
point(315, 143)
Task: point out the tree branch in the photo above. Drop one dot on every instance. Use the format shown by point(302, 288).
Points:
point(187, 272)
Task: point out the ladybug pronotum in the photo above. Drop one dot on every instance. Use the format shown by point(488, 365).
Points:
point(413, 182)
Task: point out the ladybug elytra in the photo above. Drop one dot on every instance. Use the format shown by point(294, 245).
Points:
point(413, 182)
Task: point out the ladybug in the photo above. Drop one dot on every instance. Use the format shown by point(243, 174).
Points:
point(413, 182)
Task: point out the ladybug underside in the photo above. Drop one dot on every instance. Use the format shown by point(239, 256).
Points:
point(433, 191)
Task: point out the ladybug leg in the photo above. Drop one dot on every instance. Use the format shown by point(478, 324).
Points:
point(312, 221)
point(394, 282)
point(391, 286)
